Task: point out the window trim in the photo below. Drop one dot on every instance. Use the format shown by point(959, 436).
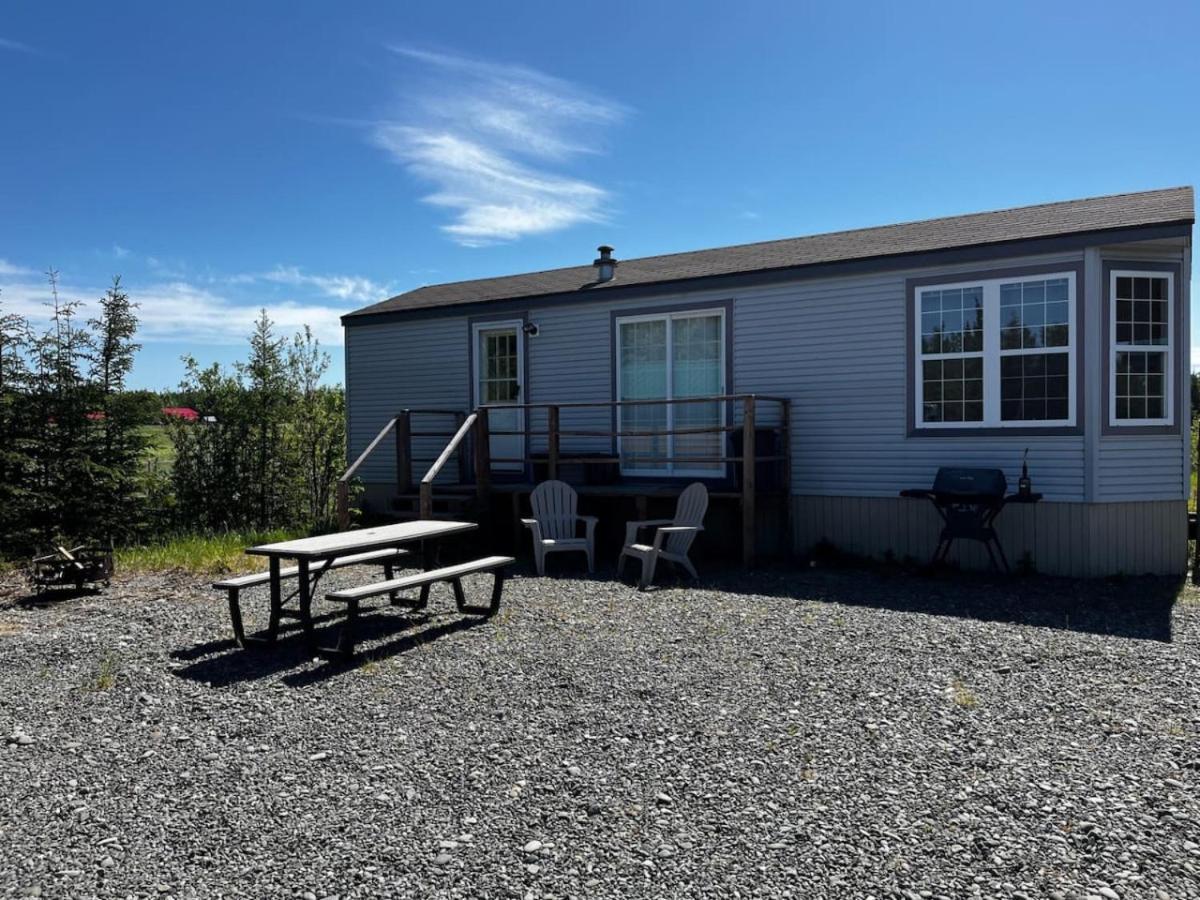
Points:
point(992, 353)
point(667, 313)
point(1127, 426)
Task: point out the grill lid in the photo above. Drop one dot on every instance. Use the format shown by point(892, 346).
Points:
point(970, 482)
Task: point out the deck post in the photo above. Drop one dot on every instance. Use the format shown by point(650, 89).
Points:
point(404, 452)
point(483, 457)
point(785, 425)
point(552, 437)
point(749, 465)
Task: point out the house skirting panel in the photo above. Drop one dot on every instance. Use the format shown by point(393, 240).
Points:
point(1075, 539)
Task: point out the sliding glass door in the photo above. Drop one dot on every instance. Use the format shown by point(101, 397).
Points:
point(671, 357)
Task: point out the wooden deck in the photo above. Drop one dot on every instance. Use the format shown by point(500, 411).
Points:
point(474, 481)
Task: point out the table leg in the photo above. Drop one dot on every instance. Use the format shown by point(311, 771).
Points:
point(305, 601)
point(276, 600)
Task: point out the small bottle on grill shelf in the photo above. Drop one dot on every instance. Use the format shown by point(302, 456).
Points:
point(1024, 485)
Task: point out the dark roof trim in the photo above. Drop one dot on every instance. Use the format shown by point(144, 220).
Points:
point(869, 265)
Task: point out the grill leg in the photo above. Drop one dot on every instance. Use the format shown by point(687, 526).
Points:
point(1000, 551)
point(942, 551)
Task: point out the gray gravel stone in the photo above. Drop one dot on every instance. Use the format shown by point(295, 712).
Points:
point(1031, 739)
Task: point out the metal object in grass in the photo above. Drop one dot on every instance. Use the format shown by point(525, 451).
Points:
point(72, 568)
point(968, 501)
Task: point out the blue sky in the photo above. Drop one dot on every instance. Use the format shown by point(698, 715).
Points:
point(312, 158)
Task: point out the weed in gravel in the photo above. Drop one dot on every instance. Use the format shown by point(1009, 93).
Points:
point(106, 674)
point(962, 695)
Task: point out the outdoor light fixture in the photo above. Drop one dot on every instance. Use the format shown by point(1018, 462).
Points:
point(530, 329)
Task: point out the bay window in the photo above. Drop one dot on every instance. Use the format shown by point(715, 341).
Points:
point(671, 356)
point(995, 353)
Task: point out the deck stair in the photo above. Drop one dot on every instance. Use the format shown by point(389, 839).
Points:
point(453, 502)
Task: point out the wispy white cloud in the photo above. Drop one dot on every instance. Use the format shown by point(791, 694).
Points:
point(487, 134)
point(7, 268)
point(18, 47)
point(120, 252)
point(354, 288)
point(182, 312)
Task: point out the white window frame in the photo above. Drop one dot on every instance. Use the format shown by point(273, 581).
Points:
point(992, 354)
point(671, 469)
point(1167, 350)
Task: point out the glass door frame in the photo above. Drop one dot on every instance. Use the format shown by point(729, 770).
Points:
point(478, 329)
point(671, 469)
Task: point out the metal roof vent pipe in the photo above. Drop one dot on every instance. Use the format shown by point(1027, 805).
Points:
point(606, 266)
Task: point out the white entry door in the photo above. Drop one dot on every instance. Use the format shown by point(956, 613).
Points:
point(499, 380)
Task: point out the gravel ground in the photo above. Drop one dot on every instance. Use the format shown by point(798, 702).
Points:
point(798, 733)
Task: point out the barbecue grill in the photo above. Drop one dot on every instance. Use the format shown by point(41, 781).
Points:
point(969, 500)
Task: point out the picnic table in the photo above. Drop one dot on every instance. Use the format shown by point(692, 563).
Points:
point(315, 555)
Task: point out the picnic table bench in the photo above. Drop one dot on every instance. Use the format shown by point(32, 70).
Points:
point(387, 558)
point(451, 575)
point(316, 555)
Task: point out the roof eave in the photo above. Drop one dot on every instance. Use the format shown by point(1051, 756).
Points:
point(942, 255)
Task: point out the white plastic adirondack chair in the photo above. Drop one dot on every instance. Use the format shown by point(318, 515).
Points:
point(672, 537)
point(555, 524)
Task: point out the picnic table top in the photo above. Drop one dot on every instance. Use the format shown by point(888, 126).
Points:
point(324, 546)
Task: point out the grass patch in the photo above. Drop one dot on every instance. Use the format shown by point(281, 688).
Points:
point(201, 554)
point(159, 448)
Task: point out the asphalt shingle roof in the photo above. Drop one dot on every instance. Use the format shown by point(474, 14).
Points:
point(1148, 208)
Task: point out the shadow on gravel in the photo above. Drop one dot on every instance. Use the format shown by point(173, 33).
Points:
point(1138, 608)
point(376, 654)
point(54, 596)
point(290, 653)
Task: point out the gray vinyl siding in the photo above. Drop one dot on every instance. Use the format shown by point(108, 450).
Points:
point(390, 367)
point(571, 360)
point(835, 346)
point(1147, 467)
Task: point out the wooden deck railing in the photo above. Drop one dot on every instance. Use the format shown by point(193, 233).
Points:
point(479, 459)
point(749, 457)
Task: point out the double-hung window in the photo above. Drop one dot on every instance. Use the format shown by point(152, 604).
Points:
point(1140, 353)
point(996, 353)
point(671, 356)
